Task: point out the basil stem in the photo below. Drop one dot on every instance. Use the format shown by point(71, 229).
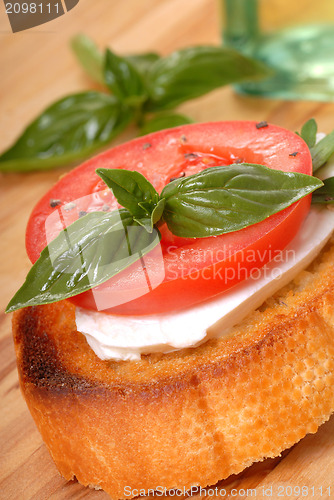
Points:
point(90, 251)
point(215, 201)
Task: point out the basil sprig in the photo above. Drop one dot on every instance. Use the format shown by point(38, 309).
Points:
point(99, 245)
point(78, 125)
point(215, 201)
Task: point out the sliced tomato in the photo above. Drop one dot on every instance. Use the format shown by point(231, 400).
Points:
point(195, 269)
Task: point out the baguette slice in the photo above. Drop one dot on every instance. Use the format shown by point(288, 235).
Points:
point(190, 417)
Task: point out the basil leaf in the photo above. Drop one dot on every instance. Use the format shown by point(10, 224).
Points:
point(68, 130)
point(194, 71)
point(324, 195)
point(89, 56)
point(123, 79)
point(143, 62)
point(322, 151)
point(224, 199)
point(164, 120)
point(132, 190)
point(87, 253)
point(309, 132)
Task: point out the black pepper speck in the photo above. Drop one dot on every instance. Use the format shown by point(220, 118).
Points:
point(190, 156)
point(54, 203)
point(261, 125)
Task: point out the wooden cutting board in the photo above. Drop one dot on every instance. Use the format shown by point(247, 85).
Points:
point(37, 67)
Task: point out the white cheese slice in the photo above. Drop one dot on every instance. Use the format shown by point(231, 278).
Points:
point(127, 337)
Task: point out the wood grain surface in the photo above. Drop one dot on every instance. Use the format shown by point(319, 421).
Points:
point(37, 67)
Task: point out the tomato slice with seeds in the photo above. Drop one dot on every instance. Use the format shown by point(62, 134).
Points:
point(195, 269)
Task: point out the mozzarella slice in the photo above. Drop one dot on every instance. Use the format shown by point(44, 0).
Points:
point(127, 337)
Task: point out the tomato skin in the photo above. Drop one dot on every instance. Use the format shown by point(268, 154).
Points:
point(167, 154)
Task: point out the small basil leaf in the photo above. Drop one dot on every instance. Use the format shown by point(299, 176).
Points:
point(309, 132)
point(164, 120)
point(224, 199)
point(89, 56)
point(322, 151)
point(87, 253)
point(143, 62)
point(158, 211)
point(194, 71)
point(68, 130)
point(123, 79)
point(324, 195)
point(131, 189)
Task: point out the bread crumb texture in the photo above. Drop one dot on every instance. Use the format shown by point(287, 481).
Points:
point(191, 417)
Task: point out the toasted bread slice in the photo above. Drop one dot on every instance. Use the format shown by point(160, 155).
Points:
point(190, 417)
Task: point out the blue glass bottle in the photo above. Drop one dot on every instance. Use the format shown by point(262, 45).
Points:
point(299, 46)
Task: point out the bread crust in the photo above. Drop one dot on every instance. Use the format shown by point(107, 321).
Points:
point(190, 417)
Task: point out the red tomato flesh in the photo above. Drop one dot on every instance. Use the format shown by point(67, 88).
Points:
point(195, 269)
